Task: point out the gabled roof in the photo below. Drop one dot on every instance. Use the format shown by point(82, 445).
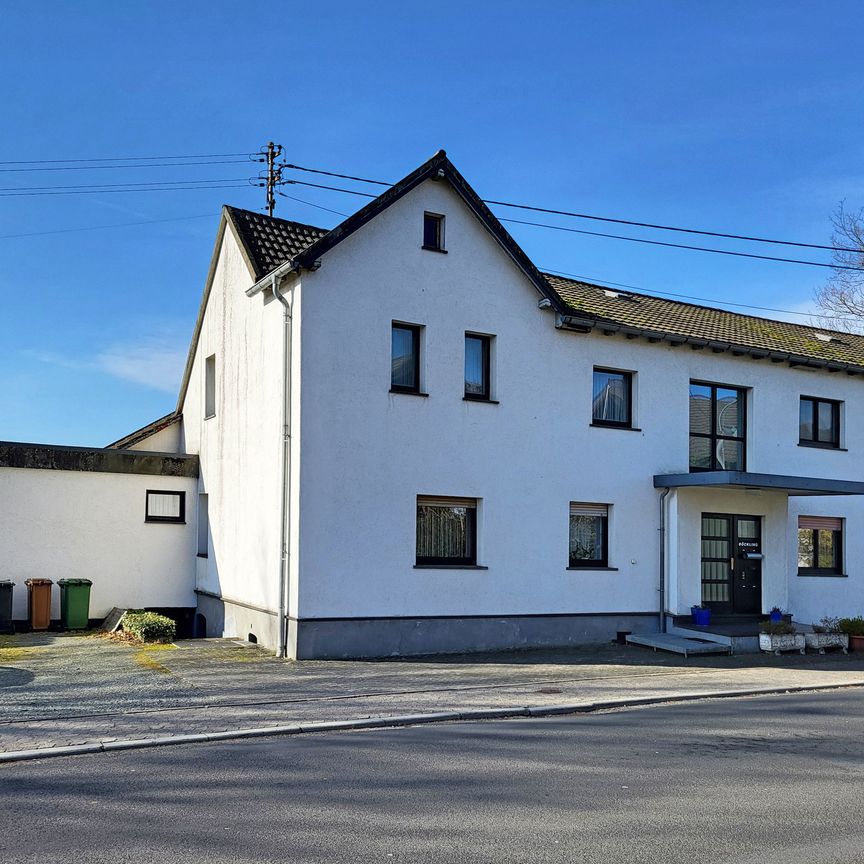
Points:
point(674, 321)
point(270, 241)
point(139, 435)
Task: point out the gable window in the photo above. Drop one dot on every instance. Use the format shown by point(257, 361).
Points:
point(433, 232)
point(165, 506)
point(612, 398)
point(820, 546)
point(210, 387)
point(717, 427)
point(477, 366)
point(446, 531)
point(589, 535)
point(405, 358)
point(818, 422)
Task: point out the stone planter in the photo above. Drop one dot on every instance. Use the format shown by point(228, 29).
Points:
point(778, 642)
point(820, 641)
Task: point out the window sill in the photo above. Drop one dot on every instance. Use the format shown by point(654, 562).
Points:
point(593, 569)
point(209, 416)
point(615, 426)
point(149, 521)
point(202, 555)
point(434, 249)
point(480, 399)
point(408, 392)
point(449, 567)
point(821, 446)
point(823, 575)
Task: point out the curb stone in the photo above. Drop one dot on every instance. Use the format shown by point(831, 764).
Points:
point(395, 721)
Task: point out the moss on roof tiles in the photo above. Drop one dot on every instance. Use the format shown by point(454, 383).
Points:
point(672, 317)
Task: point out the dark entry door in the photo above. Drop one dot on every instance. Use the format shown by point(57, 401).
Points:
point(732, 563)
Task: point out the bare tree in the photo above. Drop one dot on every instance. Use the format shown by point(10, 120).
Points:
point(842, 297)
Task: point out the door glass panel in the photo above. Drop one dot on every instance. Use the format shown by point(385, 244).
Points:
point(730, 411)
point(700, 409)
point(712, 527)
point(715, 549)
point(748, 529)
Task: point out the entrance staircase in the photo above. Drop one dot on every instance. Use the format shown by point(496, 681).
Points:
point(739, 632)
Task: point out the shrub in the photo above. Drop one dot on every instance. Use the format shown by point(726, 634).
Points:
point(148, 626)
point(852, 626)
point(778, 628)
point(828, 625)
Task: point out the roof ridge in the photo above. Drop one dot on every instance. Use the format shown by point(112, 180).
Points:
point(267, 217)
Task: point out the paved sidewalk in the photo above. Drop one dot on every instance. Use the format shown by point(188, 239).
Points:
point(58, 690)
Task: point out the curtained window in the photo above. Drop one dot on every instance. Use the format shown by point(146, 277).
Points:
point(612, 398)
point(589, 534)
point(477, 366)
point(165, 506)
point(446, 530)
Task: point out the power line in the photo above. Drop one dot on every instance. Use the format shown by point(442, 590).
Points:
point(620, 236)
point(126, 158)
point(652, 225)
point(116, 185)
point(310, 204)
point(110, 191)
point(125, 167)
point(102, 227)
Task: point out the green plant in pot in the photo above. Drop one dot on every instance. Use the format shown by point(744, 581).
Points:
point(827, 634)
point(777, 636)
point(854, 629)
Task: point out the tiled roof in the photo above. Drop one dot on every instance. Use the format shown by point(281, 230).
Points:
point(270, 241)
point(672, 318)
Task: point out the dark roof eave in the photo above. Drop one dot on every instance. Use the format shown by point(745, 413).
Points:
point(769, 482)
point(583, 324)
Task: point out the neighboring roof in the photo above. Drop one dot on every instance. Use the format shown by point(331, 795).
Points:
point(613, 310)
point(145, 431)
point(270, 241)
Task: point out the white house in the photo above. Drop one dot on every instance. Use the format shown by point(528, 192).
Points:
point(410, 440)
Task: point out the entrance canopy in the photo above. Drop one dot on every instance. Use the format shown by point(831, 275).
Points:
point(749, 480)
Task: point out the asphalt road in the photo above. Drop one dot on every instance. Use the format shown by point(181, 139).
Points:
point(768, 779)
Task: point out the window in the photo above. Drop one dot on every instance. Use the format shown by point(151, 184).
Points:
point(433, 232)
point(589, 535)
point(818, 422)
point(612, 398)
point(820, 546)
point(446, 531)
point(405, 358)
point(477, 366)
point(203, 526)
point(717, 427)
point(210, 386)
point(165, 506)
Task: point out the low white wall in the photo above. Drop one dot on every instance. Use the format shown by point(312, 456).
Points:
point(85, 524)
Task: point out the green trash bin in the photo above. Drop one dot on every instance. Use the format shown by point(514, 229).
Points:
point(74, 603)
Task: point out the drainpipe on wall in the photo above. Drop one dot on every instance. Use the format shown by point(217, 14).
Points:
point(285, 488)
point(663, 495)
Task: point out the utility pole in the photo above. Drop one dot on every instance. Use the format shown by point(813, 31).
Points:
point(274, 174)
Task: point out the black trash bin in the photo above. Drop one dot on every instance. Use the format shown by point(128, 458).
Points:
point(6, 606)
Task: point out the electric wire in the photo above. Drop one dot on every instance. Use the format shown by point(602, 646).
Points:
point(126, 167)
point(127, 158)
point(311, 204)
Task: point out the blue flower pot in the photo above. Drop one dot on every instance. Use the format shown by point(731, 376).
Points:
point(701, 617)
point(775, 616)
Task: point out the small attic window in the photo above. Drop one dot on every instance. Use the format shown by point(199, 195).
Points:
point(433, 232)
point(617, 295)
point(824, 337)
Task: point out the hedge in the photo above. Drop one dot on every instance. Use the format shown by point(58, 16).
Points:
point(148, 626)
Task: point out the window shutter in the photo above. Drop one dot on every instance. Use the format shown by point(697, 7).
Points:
point(436, 501)
point(589, 509)
point(823, 523)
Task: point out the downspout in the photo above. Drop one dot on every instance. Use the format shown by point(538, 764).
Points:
point(285, 487)
point(663, 495)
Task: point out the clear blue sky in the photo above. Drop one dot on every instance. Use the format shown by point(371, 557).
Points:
point(736, 116)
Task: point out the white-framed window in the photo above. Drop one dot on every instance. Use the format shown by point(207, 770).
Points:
point(446, 531)
point(820, 546)
point(433, 232)
point(589, 535)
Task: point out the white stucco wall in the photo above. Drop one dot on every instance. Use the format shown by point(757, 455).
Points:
point(82, 524)
point(239, 447)
point(367, 453)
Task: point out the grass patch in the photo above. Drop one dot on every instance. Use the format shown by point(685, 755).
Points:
point(13, 655)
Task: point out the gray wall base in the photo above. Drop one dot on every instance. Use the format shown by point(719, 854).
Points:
point(237, 620)
point(332, 639)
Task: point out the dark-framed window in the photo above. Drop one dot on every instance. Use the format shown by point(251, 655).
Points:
point(589, 535)
point(165, 506)
point(818, 422)
point(446, 530)
point(433, 232)
point(820, 546)
point(405, 358)
point(718, 426)
point(478, 351)
point(612, 398)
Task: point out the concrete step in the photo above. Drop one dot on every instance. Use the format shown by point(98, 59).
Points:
point(745, 643)
point(677, 644)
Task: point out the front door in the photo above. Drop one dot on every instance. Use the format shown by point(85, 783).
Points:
point(731, 563)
